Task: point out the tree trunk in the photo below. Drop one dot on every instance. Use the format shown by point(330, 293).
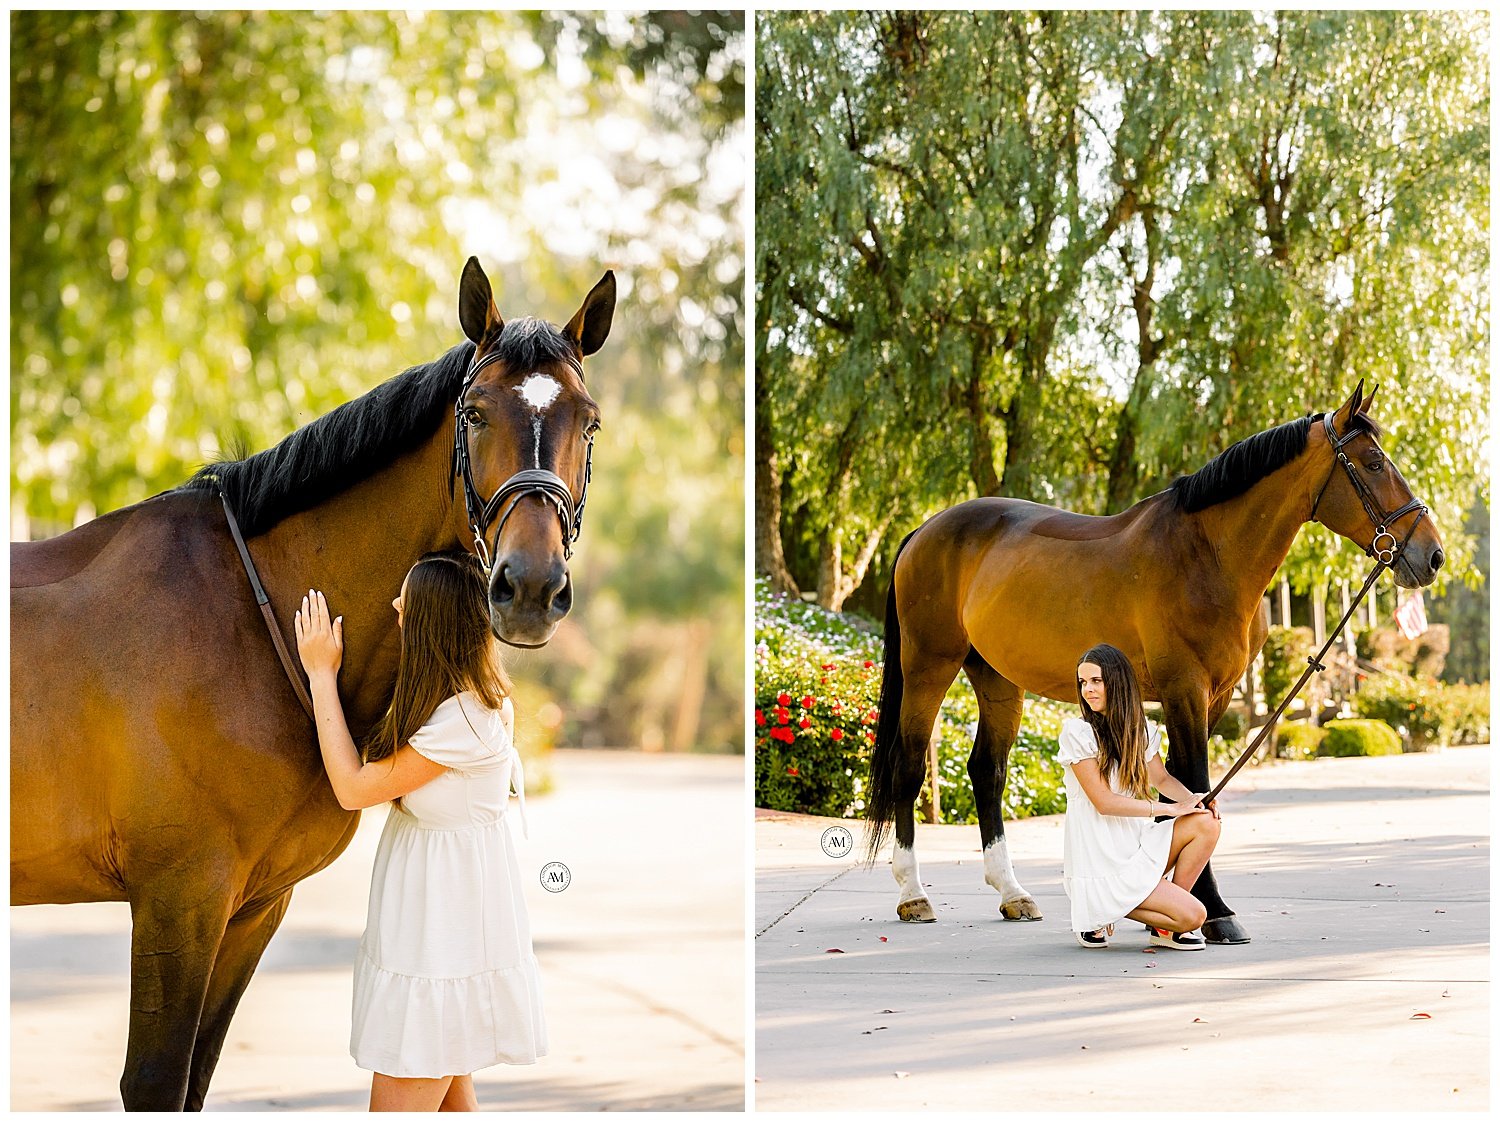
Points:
point(770, 559)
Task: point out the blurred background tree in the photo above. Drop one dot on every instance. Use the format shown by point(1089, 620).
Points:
point(1067, 256)
point(225, 224)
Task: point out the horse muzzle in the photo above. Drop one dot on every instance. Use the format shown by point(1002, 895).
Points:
point(1417, 565)
point(528, 599)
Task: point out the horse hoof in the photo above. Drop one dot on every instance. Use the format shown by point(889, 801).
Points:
point(1225, 931)
point(916, 911)
point(1022, 907)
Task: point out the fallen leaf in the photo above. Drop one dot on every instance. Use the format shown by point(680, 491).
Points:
point(885, 1011)
point(834, 950)
point(1421, 1016)
point(1083, 1047)
point(1150, 966)
point(1445, 993)
point(1438, 912)
point(901, 1074)
point(1148, 950)
point(1199, 1021)
point(883, 939)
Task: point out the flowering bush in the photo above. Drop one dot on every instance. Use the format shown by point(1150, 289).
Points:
point(817, 691)
point(1426, 709)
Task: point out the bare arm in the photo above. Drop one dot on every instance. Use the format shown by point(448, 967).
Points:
point(1173, 788)
point(1123, 806)
point(356, 785)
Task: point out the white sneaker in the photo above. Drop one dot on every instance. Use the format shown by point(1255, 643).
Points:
point(1184, 941)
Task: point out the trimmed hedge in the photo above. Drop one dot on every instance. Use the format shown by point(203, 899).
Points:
point(1429, 711)
point(1359, 737)
point(1296, 740)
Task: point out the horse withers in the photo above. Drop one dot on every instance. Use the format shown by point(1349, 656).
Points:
point(1012, 593)
point(159, 754)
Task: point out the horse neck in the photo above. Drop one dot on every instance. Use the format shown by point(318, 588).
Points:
point(1252, 533)
point(356, 548)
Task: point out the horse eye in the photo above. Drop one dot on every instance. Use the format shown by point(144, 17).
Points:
point(1376, 465)
point(590, 432)
point(473, 416)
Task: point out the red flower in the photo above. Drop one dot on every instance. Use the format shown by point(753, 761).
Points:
point(837, 707)
point(807, 702)
point(868, 664)
point(870, 736)
point(823, 681)
point(782, 711)
point(804, 723)
point(760, 718)
point(837, 734)
point(793, 771)
point(785, 735)
point(826, 666)
point(783, 699)
point(782, 716)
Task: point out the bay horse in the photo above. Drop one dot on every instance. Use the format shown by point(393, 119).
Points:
point(159, 754)
point(1013, 592)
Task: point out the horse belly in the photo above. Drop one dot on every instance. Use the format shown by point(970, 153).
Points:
point(1036, 605)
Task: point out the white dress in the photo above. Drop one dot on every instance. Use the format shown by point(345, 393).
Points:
point(446, 982)
point(1111, 862)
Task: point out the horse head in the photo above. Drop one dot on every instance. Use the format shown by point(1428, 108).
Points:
point(1365, 499)
point(524, 427)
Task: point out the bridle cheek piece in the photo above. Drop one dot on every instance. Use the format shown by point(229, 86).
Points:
point(1382, 522)
point(528, 481)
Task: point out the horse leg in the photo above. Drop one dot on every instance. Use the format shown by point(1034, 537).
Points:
point(923, 696)
point(1000, 708)
point(244, 941)
point(175, 933)
point(1187, 724)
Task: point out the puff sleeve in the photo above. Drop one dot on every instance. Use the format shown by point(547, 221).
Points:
point(1076, 742)
point(459, 737)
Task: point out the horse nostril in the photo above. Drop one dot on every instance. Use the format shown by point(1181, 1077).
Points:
point(503, 592)
point(1437, 560)
point(562, 603)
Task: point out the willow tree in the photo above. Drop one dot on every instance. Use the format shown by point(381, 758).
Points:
point(1066, 256)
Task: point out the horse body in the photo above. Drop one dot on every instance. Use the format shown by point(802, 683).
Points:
point(1012, 592)
point(159, 755)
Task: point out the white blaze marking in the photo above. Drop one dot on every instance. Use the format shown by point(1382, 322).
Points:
point(538, 391)
point(999, 874)
point(908, 877)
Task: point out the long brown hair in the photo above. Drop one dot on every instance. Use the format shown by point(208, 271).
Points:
point(446, 648)
point(1121, 728)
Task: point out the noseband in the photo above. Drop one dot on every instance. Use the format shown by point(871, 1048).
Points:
point(529, 481)
point(1382, 522)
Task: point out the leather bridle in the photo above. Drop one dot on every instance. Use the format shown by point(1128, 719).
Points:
point(1380, 520)
point(528, 481)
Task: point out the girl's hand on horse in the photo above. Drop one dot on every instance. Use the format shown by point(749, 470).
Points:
point(320, 641)
point(1181, 810)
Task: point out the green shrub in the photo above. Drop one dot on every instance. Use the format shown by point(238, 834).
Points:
point(1283, 659)
point(1411, 705)
point(1467, 713)
point(1298, 740)
point(817, 688)
point(1359, 737)
point(1233, 724)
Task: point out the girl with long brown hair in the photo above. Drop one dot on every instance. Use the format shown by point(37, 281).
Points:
point(445, 982)
point(1115, 853)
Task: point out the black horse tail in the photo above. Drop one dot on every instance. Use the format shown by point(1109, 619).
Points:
point(885, 760)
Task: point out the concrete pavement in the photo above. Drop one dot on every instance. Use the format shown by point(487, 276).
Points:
point(1363, 882)
point(643, 963)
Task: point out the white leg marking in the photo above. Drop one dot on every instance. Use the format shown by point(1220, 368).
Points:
point(908, 877)
point(998, 872)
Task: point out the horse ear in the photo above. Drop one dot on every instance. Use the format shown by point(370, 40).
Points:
point(589, 326)
point(477, 313)
point(1350, 408)
point(1365, 405)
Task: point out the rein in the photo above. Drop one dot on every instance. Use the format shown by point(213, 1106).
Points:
point(529, 481)
point(1384, 559)
point(267, 613)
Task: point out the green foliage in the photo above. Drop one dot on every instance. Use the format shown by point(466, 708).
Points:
point(1426, 710)
point(1298, 740)
point(817, 691)
point(1284, 658)
point(1358, 737)
point(226, 223)
point(1068, 255)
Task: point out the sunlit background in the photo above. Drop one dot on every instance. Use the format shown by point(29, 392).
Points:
point(223, 225)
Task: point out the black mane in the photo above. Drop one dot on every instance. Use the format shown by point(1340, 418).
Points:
point(1240, 466)
point(357, 439)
